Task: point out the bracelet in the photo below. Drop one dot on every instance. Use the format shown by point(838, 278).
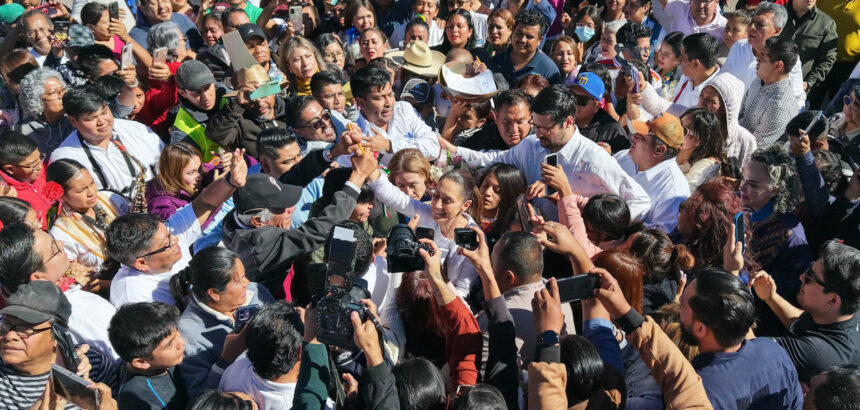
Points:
point(136, 83)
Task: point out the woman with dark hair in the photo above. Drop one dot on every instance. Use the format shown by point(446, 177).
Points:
point(17, 210)
point(419, 385)
point(333, 52)
point(567, 53)
point(460, 33)
point(500, 26)
point(95, 16)
point(702, 156)
point(588, 28)
point(500, 185)
point(84, 213)
point(667, 63)
point(664, 264)
point(211, 289)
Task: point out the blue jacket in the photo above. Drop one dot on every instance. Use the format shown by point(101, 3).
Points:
point(204, 339)
point(833, 217)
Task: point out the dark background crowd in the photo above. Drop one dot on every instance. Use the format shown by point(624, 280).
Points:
point(425, 204)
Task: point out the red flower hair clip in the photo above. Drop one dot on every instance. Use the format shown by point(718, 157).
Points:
point(53, 191)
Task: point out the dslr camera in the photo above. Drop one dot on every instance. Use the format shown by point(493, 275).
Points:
point(403, 249)
point(344, 290)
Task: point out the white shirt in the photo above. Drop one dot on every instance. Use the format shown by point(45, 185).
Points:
point(74, 249)
point(589, 168)
point(267, 394)
point(742, 64)
point(434, 35)
point(665, 184)
point(686, 96)
point(131, 285)
point(90, 318)
point(479, 20)
point(138, 139)
point(406, 130)
point(680, 19)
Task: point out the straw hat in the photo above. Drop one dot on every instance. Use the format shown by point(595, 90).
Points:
point(254, 75)
point(419, 59)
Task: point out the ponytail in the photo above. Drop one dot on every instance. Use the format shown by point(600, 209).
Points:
point(180, 287)
point(211, 268)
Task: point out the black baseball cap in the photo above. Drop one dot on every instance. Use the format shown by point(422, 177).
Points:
point(38, 301)
point(250, 30)
point(263, 191)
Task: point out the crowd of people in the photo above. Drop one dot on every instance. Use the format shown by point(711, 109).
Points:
point(424, 204)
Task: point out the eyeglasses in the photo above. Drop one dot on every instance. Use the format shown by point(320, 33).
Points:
point(582, 100)
point(23, 331)
point(164, 248)
point(337, 55)
point(809, 276)
point(42, 31)
point(54, 94)
point(847, 100)
point(34, 165)
point(542, 130)
point(702, 1)
point(55, 250)
point(318, 122)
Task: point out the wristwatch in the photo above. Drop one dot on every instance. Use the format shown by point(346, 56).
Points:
point(548, 338)
point(327, 153)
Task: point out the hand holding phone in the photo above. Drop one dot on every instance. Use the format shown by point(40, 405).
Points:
point(75, 388)
point(552, 160)
point(578, 287)
point(127, 59)
point(466, 238)
point(159, 56)
point(244, 315)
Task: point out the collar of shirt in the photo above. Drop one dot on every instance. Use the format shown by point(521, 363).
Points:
point(572, 146)
point(249, 296)
point(656, 170)
point(396, 128)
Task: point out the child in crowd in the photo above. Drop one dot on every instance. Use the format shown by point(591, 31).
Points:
point(736, 29)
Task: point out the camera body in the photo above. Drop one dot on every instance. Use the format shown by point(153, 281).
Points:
point(402, 250)
point(344, 290)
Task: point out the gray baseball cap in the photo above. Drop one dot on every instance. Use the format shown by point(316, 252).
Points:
point(193, 74)
point(38, 301)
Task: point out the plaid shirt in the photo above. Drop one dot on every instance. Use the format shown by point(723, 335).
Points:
point(767, 109)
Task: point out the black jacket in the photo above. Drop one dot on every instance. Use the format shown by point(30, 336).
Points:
point(603, 128)
point(233, 127)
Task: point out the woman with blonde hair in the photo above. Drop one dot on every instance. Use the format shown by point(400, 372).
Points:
point(300, 60)
point(409, 171)
point(500, 26)
point(567, 54)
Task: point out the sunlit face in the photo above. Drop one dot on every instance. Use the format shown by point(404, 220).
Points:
point(235, 20)
point(179, 5)
point(192, 173)
point(526, 39)
point(96, 126)
point(162, 261)
point(262, 107)
point(755, 186)
point(735, 30)
point(101, 30)
point(615, 5)
point(18, 352)
point(703, 11)
point(333, 98)
point(498, 32)
point(643, 47)
point(378, 106)
point(457, 31)
point(427, 8)
point(363, 20)
point(156, 11)
point(416, 33)
point(39, 33)
point(80, 192)
point(54, 261)
point(564, 57)
point(203, 98)
point(333, 54)
point(513, 123)
point(586, 21)
point(812, 296)
point(139, 100)
point(665, 58)
point(302, 63)
point(550, 134)
point(691, 140)
point(28, 169)
point(469, 120)
point(361, 212)
point(760, 29)
point(709, 99)
point(288, 157)
point(607, 44)
point(852, 111)
point(636, 11)
point(411, 183)
point(688, 319)
point(490, 193)
point(316, 124)
point(212, 32)
point(259, 48)
point(447, 201)
point(373, 45)
point(235, 294)
point(169, 352)
point(592, 105)
point(688, 65)
point(765, 68)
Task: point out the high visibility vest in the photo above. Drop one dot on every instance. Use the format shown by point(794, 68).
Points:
point(186, 123)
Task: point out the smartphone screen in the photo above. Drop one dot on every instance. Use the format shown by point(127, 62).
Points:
point(551, 159)
point(523, 213)
point(113, 11)
point(577, 287)
point(74, 388)
point(740, 231)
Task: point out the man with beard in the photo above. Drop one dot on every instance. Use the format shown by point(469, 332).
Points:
point(717, 311)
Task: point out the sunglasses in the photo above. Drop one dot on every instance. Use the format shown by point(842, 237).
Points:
point(319, 122)
point(582, 100)
point(847, 100)
point(809, 276)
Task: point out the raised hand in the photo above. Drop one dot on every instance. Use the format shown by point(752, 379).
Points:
point(733, 253)
point(367, 339)
point(765, 287)
point(546, 309)
point(555, 177)
point(610, 294)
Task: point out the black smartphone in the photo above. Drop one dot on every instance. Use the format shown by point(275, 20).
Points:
point(66, 344)
point(812, 123)
point(61, 34)
point(466, 238)
point(523, 213)
point(74, 388)
point(244, 315)
point(113, 11)
point(424, 233)
point(552, 160)
point(577, 287)
point(740, 232)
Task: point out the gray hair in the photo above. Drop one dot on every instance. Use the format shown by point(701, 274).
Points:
point(26, 17)
point(166, 34)
point(780, 16)
point(32, 88)
point(265, 216)
point(782, 176)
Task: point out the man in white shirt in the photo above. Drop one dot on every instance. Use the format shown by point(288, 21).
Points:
point(588, 167)
point(768, 21)
point(651, 162)
point(114, 151)
point(151, 251)
point(693, 16)
point(38, 30)
point(389, 126)
point(699, 65)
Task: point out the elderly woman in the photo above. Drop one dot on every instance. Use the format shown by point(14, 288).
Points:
point(771, 190)
point(162, 95)
point(300, 60)
point(42, 113)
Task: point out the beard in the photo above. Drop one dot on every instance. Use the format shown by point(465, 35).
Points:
point(688, 337)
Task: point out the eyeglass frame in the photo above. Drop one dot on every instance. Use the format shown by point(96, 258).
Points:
point(53, 255)
point(22, 334)
point(544, 130)
point(849, 100)
point(31, 34)
point(315, 122)
point(809, 276)
point(42, 157)
point(164, 248)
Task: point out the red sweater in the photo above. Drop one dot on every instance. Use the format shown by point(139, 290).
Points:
point(161, 97)
point(463, 341)
point(33, 193)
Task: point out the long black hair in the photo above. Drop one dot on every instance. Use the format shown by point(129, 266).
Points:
point(419, 385)
point(13, 210)
point(712, 137)
point(211, 268)
point(512, 183)
point(446, 45)
point(609, 215)
point(63, 170)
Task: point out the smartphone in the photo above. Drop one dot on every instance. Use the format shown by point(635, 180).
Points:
point(244, 315)
point(127, 59)
point(48, 9)
point(61, 34)
point(740, 231)
point(296, 19)
point(159, 56)
point(113, 11)
point(74, 388)
point(220, 7)
point(424, 233)
point(523, 213)
point(635, 74)
point(66, 344)
point(552, 160)
point(466, 238)
point(814, 121)
point(577, 287)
